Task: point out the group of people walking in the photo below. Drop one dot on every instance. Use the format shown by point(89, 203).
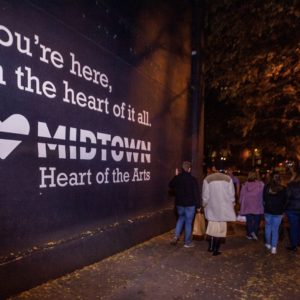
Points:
point(272, 200)
point(256, 200)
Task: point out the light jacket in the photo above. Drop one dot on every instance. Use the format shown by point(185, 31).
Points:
point(251, 198)
point(218, 198)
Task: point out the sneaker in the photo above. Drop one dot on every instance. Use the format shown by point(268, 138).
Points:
point(273, 250)
point(249, 237)
point(189, 245)
point(254, 236)
point(174, 241)
point(268, 246)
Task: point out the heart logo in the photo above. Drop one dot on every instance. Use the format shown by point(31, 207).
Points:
point(17, 124)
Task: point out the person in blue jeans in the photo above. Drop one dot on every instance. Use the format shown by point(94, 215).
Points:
point(293, 211)
point(251, 201)
point(274, 201)
point(186, 189)
point(252, 226)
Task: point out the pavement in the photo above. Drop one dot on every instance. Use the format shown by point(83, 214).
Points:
point(158, 270)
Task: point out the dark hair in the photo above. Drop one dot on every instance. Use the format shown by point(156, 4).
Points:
point(275, 185)
point(275, 179)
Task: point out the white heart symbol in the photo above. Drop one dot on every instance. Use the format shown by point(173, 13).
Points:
point(14, 124)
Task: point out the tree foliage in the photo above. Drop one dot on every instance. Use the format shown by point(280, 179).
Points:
point(253, 72)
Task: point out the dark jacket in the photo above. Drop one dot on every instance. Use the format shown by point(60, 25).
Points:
point(274, 200)
point(293, 196)
point(186, 190)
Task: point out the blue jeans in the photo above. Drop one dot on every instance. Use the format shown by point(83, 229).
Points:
point(272, 223)
point(185, 217)
point(252, 224)
point(294, 222)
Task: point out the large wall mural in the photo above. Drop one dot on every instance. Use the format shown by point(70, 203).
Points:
point(70, 137)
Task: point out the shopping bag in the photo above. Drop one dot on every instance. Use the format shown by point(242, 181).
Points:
point(199, 225)
point(241, 218)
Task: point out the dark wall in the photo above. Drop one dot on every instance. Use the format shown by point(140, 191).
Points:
point(93, 102)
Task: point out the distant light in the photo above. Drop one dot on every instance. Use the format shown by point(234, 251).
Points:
point(246, 154)
point(194, 52)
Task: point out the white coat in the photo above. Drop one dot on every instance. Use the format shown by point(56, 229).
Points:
point(218, 198)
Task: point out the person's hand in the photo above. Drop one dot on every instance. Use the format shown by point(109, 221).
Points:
point(176, 171)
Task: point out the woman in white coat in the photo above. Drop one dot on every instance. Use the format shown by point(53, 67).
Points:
point(218, 200)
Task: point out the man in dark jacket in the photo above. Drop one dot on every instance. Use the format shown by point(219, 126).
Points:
point(186, 190)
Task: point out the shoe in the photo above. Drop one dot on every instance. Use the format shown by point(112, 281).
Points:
point(294, 249)
point(254, 236)
point(249, 237)
point(189, 245)
point(268, 246)
point(273, 250)
point(174, 241)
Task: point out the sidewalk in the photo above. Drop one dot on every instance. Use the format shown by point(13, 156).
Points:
point(156, 270)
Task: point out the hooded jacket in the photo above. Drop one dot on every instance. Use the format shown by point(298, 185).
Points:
point(251, 198)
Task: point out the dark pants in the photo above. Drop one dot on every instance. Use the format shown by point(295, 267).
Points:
point(252, 223)
point(294, 222)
